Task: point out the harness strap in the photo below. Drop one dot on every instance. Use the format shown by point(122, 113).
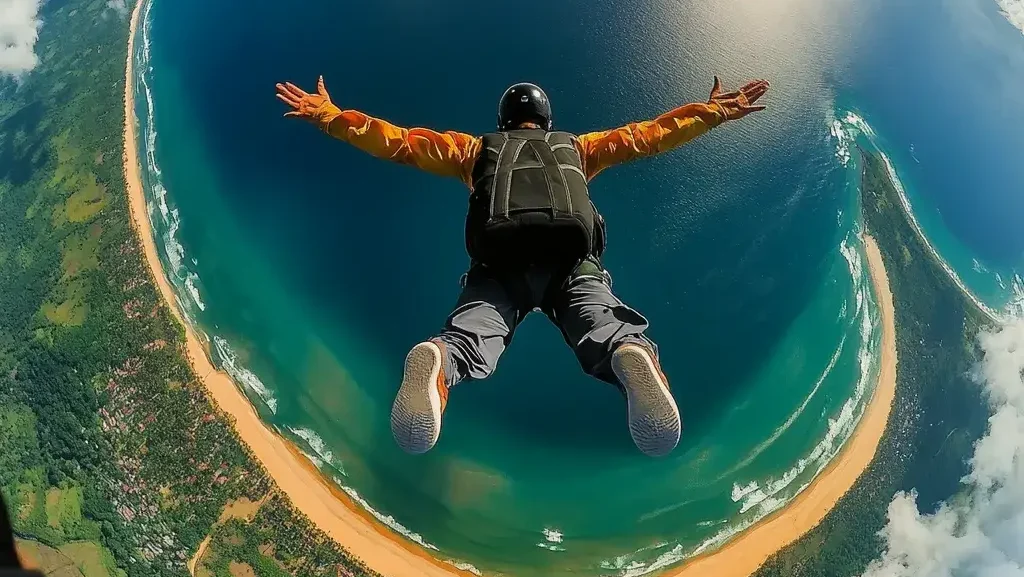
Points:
point(558, 188)
point(502, 184)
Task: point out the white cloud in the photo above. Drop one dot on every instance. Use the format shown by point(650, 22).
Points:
point(19, 29)
point(1014, 12)
point(119, 6)
point(981, 535)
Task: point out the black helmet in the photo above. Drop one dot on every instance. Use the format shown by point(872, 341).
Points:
point(524, 102)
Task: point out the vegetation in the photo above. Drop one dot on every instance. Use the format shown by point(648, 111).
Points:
point(96, 397)
point(269, 551)
point(47, 559)
point(938, 413)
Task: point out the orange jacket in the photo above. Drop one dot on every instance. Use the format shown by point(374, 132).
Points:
point(454, 153)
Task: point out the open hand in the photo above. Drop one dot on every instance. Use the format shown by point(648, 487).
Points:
point(316, 108)
point(739, 103)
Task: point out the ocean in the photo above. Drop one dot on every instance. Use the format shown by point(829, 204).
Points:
point(314, 268)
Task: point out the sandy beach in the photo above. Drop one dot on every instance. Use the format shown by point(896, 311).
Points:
point(331, 509)
point(750, 549)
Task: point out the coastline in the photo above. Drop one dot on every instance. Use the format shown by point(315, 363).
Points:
point(325, 506)
point(333, 511)
point(909, 211)
point(745, 553)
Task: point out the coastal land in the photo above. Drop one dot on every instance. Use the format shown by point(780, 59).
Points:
point(381, 550)
point(327, 507)
point(938, 412)
point(749, 550)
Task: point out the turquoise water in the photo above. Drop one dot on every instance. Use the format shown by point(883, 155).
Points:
point(740, 248)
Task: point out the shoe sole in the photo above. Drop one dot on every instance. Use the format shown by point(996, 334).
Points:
point(654, 421)
point(416, 414)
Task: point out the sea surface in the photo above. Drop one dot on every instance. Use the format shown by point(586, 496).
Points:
point(313, 268)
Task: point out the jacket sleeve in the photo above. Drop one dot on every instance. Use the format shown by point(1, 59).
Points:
point(599, 150)
point(443, 153)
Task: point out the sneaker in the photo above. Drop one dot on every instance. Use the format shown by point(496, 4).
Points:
point(654, 420)
point(416, 414)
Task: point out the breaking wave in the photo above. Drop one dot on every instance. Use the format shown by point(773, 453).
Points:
point(908, 209)
point(737, 492)
point(182, 278)
point(321, 454)
point(551, 539)
point(243, 376)
point(463, 566)
point(759, 498)
point(387, 520)
point(852, 126)
point(166, 222)
point(768, 496)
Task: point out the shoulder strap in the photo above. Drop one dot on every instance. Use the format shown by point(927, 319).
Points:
point(558, 188)
point(501, 186)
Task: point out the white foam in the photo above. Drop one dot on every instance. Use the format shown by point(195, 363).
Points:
point(766, 496)
point(144, 66)
point(629, 567)
point(242, 375)
point(711, 523)
point(628, 563)
point(854, 124)
point(908, 209)
point(183, 279)
point(463, 566)
point(738, 492)
point(553, 535)
point(319, 447)
point(317, 461)
point(854, 120)
point(1015, 307)
point(172, 248)
point(835, 129)
point(636, 568)
point(387, 520)
point(190, 284)
point(761, 498)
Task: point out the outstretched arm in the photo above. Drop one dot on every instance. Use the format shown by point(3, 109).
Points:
point(599, 150)
point(443, 153)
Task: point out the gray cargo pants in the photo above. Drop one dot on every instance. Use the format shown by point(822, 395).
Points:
point(580, 302)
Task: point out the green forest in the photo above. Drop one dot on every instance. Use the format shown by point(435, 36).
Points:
point(938, 412)
point(96, 398)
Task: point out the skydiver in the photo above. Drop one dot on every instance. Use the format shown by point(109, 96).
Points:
point(535, 242)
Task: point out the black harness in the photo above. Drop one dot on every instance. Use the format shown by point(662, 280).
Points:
point(530, 204)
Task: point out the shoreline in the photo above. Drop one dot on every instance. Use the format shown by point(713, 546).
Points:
point(909, 212)
point(362, 536)
point(326, 507)
point(746, 552)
